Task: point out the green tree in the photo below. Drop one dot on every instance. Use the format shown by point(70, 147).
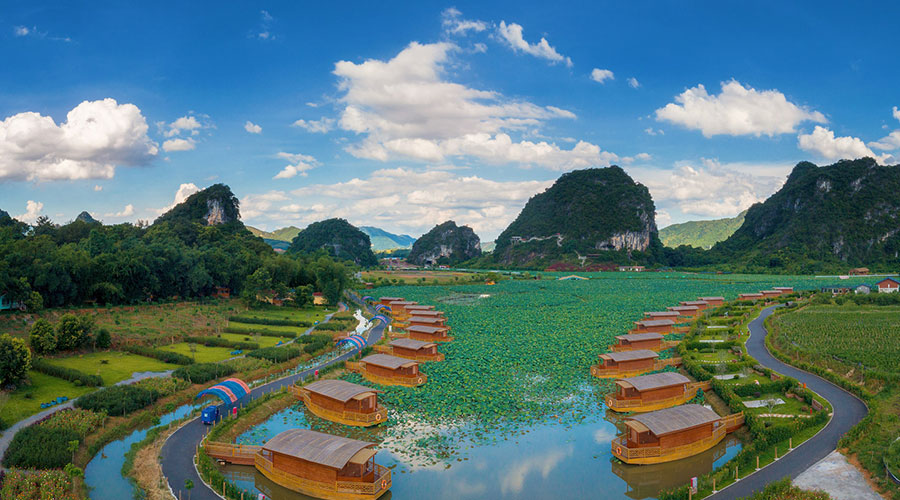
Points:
point(34, 302)
point(15, 359)
point(257, 286)
point(42, 337)
point(73, 332)
point(104, 339)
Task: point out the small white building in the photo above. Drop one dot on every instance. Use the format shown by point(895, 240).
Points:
point(863, 289)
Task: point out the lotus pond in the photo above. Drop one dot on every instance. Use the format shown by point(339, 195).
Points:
point(513, 411)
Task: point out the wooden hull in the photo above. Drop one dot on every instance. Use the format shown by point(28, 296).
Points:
point(599, 372)
point(638, 406)
point(386, 349)
point(354, 419)
point(653, 455)
point(401, 381)
point(666, 344)
point(428, 338)
point(338, 490)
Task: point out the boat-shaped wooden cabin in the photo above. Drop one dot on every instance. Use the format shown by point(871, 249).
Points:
point(429, 333)
point(672, 315)
point(385, 369)
point(419, 307)
point(784, 289)
point(417, 350)
point(671, 434)
point(701, 304)
point(685, 311)
point(630, 363)
point(750, 296)
point(398, 309)
point(713, 301)
point(436, 321)
point(323, 466)
point(386, 301)
point(637, 341)
point(770, 293)
point(421, 313)
point(342, 402)
point(661, 326)
point(653, 392)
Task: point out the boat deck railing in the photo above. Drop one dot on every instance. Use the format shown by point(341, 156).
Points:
point(355, 417)
point(381, 481)
point(621, 450)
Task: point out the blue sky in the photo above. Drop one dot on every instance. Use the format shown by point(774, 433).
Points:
point(402, 116)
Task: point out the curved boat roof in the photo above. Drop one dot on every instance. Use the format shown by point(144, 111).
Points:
point(340, 390)
point(654, 381)
point(316, 447)
point(387, 361)
point(676, 419)
point(410, 343)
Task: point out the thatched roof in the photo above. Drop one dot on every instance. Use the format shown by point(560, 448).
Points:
point(630, 355)
point(639, 337)
point(339, 390)
point(654, 381)
point(316, 447)
point(678, 418)
point(387, 361)
point(655, 322)
point(411, 343)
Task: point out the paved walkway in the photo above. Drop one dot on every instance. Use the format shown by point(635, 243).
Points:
point(848, 411)
point(8, 435)
point(837, 477)
point(177, 455)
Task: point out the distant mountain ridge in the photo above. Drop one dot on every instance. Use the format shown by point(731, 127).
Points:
point(700, 233)
point(383, 240)
point(445, 244)
point(86, 217)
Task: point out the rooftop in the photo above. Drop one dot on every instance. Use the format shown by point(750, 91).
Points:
point(684, 308)
point(387, 361)
point(655, 322)
point(425, 319)
point(339, 390)
point(630, 355)
point(654, 381)
point(661, 313)
point(426, 329)
point(410, 343)
point(390, 299)
point(638, 337)
point(708, 299)
point(694, 303)
point(316, 447)
point(679, 418)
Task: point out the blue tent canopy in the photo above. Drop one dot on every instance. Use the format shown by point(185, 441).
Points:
point(355, 340)
point(382, 318)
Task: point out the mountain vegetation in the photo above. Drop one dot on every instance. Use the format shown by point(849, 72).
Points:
point(599, 214)
point(446, 244)
point(701, 233)
point(285, 234)
point(86, 217)
point(383, 240)
point(197, 246)
point(339, 239)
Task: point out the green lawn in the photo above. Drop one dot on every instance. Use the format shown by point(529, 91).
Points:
point(43, 389)
point(203, 353)
point(289, 331)
point(262, 340)
point(310, 314)
point(119, 366)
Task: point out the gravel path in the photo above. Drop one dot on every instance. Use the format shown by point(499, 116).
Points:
point(848, 411)
point(177, 454)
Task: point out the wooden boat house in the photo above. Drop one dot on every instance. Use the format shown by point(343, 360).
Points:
point(671, 434)
point(701, 304)
point(429, 333)
point(323, 466)
point(630, 363)
point(386, 301)
point(750, 296)
point(784, 289)
point(713, 301)
point(673, 315)
point(770, 293)
point(637, 341)
point(685, 311)
point(389, 370)
point(421, 313)
point(436, 321)
point(661, 326)
point(653, 392)
point(419, 307)
point(342, 402)
point(416, 350)
point(398, 309)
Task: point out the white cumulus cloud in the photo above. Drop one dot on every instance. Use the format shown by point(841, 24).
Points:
point(316, 126)
point(183, 192)
point(178, 144)
point(453, 23)
point(737, 110)
point(405, 109)
point(633, 83)
point(299, 165)
point(823, 142)
point(96, 137)
point(896, 113)
point(33, 210)
point(185, 123)
point(252, 127)
point(512, 34)
point(128, 211)
point(601, 75)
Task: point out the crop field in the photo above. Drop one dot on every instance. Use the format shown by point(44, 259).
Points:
point(857, 335)
point(113, 366)
point(308, 314)
point(26, 401)
point(523, 348)
point(262, 340)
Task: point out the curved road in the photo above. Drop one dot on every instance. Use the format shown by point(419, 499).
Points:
point(848, 411)
point(177, 454)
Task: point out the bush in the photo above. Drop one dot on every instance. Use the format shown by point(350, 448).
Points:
point(15, 359)
point(39, 447)
point(252, 331)
point(160, 354)
point(37, 485)
point(275, 354)
point(82, 422)
point(70, 374)
point(315, 342)
point(118, 399)
point(220, 342)
point(42, 337)
point(332, 327)
point(270, 322)
point(203, 372)
point(73, 332)
point(104, 339)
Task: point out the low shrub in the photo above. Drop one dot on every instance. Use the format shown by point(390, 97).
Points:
point(37, 485)
point(81, 421)
point(203, 372)
point(332, 326)
point(275, 354)
point(271, 322)
point(70, 374)
point(118, 399)
point(39, 447)
point(315, 342)
point(220, 342)
point(253, 331)
point(160, 354)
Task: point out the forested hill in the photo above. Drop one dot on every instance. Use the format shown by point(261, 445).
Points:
point(188, 252)
point(700, 233)
point(832, 217)
point(445, 244)
point(337, 237)
point(597, 212)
